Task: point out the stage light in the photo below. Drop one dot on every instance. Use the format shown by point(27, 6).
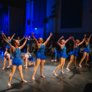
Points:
point(36, 28)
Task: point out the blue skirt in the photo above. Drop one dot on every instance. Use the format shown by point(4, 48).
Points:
point(63, 55)
point(86, 50)
point(41, 56)
point(75, 53)
point(17, 61)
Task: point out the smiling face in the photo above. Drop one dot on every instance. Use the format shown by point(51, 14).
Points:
point(40, 40)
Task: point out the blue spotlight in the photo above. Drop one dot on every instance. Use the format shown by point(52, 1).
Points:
point(36, 28)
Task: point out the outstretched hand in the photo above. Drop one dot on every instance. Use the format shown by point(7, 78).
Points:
point(26, 38)
point(71, 37)
point(51, 34)
point(3, 34)
point(85, 35)
point(62, 37)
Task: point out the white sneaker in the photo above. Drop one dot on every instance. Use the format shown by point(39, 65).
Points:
point(8, 66)
point(67, 69)
point(24, 81)
point(55, 74)
point(3, 68)
point(80, 65)
point(9, 84)
point(43, 76)
point(62, 72)
point(33, 78)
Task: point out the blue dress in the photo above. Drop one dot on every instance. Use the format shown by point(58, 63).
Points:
point(17, 60)
point(87, 49)
point(74, 52)
point(41, 52)
point(63, 53)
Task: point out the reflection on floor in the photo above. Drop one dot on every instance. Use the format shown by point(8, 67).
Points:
point(78, 80)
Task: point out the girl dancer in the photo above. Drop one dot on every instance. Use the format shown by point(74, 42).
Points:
point(86, 51)
point(26, 56)
point(7, 57)
point(31, 60)
point(17, 61)
point(61, 42)
point(74, 53)
point(40, 56)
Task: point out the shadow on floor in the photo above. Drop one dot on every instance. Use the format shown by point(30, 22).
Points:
point(75, 71)
point(88, 88)
point(14, 86)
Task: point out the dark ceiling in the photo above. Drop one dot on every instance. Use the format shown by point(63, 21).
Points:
point(13, 3)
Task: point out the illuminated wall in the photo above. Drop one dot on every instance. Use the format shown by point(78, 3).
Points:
point(35, 14)
point(50, 25)
point(4, 19)
point(29, 17)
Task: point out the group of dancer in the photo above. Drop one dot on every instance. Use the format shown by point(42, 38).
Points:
point(17, 62)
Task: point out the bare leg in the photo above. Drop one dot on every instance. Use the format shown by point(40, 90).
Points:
point(70, 62)
point(75, 61)
point(11, 75)
point(84, 56)
point(41, 68)
point(35, 68)
point(87, 59)
point(10, 62)
point(26, 63)
point(58, 67)
point(21, 73)
point(63, 63)
point(4, 64)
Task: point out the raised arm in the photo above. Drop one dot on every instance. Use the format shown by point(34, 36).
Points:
point(58, 42)
point(21, 39)
point(48, 39)
point(73, 40)
point(23, 44)
point(6, 40)
point(81, 41)
point(35, 39)
point(12, 36)
point(4, 36)
point(60, 38)
point(89, 38)
point(68, 39)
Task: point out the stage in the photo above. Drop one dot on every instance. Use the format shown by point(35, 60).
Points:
point(78, 80)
